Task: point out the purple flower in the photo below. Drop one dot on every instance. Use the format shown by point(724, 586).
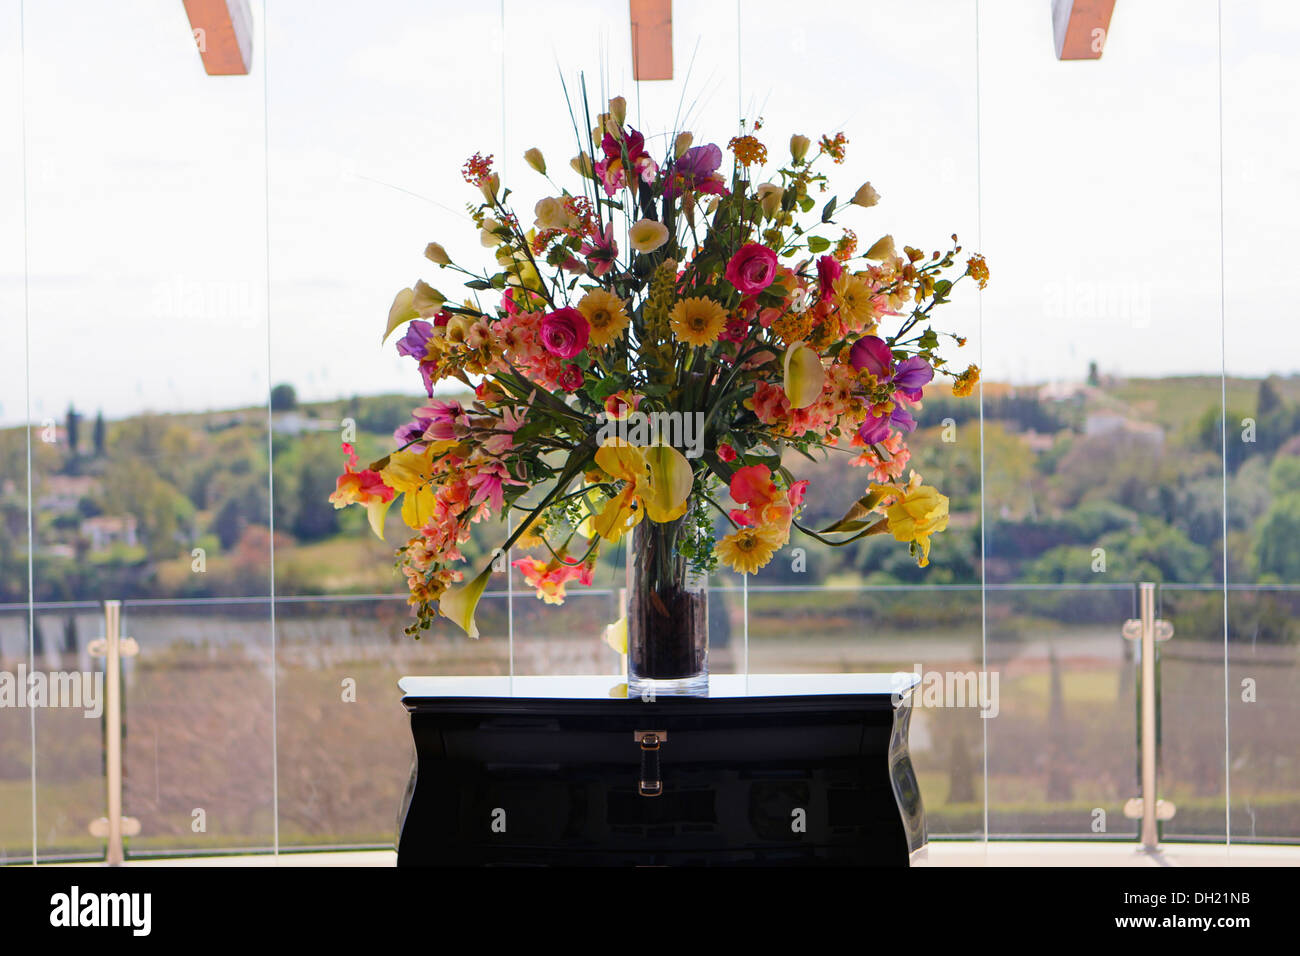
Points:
point(415, 342)
point(410, 433)
point(876, 428)
point(697, 170)
point(911, 375)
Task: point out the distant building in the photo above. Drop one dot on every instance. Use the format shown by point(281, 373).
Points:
point(1112, 423)
point(60, 494)
point(106, 531)
point(296, 423)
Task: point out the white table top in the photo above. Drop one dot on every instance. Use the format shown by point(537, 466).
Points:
point(720, 685)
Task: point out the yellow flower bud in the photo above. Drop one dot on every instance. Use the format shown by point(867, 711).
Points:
point(882, 250)
point(769, 197)
point(436, 253)
point(535, 159)
point(426, 300)
point(582, 165)
point(682, 144)
point(866, 197)
point(618, 110)
point(799, 147)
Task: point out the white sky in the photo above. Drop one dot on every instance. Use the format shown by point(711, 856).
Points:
point(147, 221)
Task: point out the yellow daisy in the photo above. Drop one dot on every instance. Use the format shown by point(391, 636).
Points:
point(698, 321)
point(853, 299)
point(606, 314)
point(748, 549)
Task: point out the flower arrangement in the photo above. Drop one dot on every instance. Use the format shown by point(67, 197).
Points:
point(649, 344)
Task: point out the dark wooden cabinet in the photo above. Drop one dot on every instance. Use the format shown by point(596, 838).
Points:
point(769, 777)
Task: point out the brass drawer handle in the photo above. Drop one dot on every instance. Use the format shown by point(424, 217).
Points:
point(651, 783)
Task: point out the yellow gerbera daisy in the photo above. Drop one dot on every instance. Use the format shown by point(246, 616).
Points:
point(698, 321)
point(853, 299)
point(748, 549)
point(606, 314)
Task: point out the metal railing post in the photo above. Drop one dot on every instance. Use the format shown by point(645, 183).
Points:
point(113, 647)
point(1147, 630)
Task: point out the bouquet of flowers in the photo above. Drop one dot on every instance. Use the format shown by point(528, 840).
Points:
point(649, 344)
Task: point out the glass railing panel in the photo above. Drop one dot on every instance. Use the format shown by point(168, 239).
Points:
point(1262, 361)
point(343, 738)
point(199, 738)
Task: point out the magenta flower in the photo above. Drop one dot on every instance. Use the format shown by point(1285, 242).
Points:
point(601, 252)
point(871, 353)
point(489, 483)
point(752, 269)
point(565, 333)
point(828, 270)
point(571, 378)
point(503, 437)
point(611, 169)
point(446, 421)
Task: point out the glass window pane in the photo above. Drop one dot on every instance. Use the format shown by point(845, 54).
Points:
point(1101, 356)
point(148, 387)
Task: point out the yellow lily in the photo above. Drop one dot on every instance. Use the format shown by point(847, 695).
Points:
point(376, 511)
point(400, 312)
point(459, 604)
point(917, 512)
point(657, 483)
point(624, 463)
point(410, 474)
point(804, 375)
point(670, 480)
point(615, 635)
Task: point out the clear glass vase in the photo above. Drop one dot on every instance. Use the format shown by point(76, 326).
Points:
point(667, 616)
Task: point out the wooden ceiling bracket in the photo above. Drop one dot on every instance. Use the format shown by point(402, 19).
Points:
point(223, 32)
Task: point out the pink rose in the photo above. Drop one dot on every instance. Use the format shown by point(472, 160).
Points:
point(565, 333)
point(752, 269)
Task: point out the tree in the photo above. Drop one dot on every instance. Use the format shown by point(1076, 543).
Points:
point(1270, 399)
point(245, 505)
point(315, 517)
point(283, 398)
point(99, 434)
point(1277, 541)
point(73, 424)
point(162, 513)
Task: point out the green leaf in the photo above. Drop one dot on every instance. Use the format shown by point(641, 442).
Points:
point(818, 244)
point(829, 209)
point(478, 285)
